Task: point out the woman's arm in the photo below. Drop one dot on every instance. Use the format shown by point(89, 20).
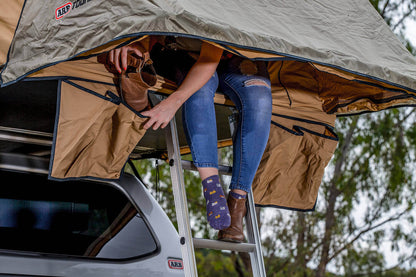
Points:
point(197, 77)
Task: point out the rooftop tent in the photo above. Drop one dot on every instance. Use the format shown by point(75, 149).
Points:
point(326, 58)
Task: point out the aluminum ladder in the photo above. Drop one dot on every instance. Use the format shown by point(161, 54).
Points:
point(188, 244)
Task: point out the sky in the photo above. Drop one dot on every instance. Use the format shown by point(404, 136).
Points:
point(411, 31)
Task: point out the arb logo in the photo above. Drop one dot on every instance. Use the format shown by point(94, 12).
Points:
point(175, 264)
point(63, 10)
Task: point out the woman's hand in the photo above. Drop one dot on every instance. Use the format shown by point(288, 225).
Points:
point(118, 56)
point(161, 114)
point(198, 75)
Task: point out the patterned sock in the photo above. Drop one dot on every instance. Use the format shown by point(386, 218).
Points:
point(237, 195)
point(218, 214)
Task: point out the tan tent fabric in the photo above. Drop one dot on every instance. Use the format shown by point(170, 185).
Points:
point(95, 135)
point(300, 146)
point(89, 68)
point(349, 35)
point(301, 141)
point(9, 17)
point(292, 166)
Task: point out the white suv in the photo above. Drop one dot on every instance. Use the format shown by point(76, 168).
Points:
point(81, 228)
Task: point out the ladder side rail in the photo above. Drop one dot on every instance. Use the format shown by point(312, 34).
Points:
point(180, 199)
point(253, 236)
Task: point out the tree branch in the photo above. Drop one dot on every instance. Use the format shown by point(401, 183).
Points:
point(377, 213)
point(406, 15)
point(413, 256)
point(384, 8)
point(400, 122)
point(344, 150)
point(313, 251)
point(368, 229)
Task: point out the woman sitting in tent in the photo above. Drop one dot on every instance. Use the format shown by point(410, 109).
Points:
point(199, 68)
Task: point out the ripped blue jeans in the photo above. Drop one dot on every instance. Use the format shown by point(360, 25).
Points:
point(247, 84)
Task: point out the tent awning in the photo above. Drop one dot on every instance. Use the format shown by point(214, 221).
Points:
point(348, 35)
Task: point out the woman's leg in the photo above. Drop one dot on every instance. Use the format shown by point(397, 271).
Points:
point(248, 86)
point(198, 114)
point(200, 129)
point(201, 133)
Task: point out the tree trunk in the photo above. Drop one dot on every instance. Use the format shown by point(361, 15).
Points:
point(300, 245)
point(258, 216)
point(245, 257)
point(332, 198)
point(237, 264)
point(329, 224)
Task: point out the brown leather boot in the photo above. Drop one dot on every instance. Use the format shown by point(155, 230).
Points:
point(238, 209)
point(133, 84)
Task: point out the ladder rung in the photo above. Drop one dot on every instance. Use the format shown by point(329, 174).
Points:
point(223, 245)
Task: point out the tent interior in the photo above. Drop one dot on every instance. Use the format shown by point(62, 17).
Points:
point(28, 112)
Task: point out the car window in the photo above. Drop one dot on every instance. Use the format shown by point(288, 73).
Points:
point(75, 218)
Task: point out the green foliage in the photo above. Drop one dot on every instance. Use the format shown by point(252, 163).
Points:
point(216, 264)
point(370, 183)
point(366, 260)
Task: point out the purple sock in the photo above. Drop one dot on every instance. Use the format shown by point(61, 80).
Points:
point(218, 214)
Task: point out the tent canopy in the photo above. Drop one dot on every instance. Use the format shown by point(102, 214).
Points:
point(326, 58)
point(348, 35)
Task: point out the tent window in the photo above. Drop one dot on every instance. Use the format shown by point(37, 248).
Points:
point(75, 218)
